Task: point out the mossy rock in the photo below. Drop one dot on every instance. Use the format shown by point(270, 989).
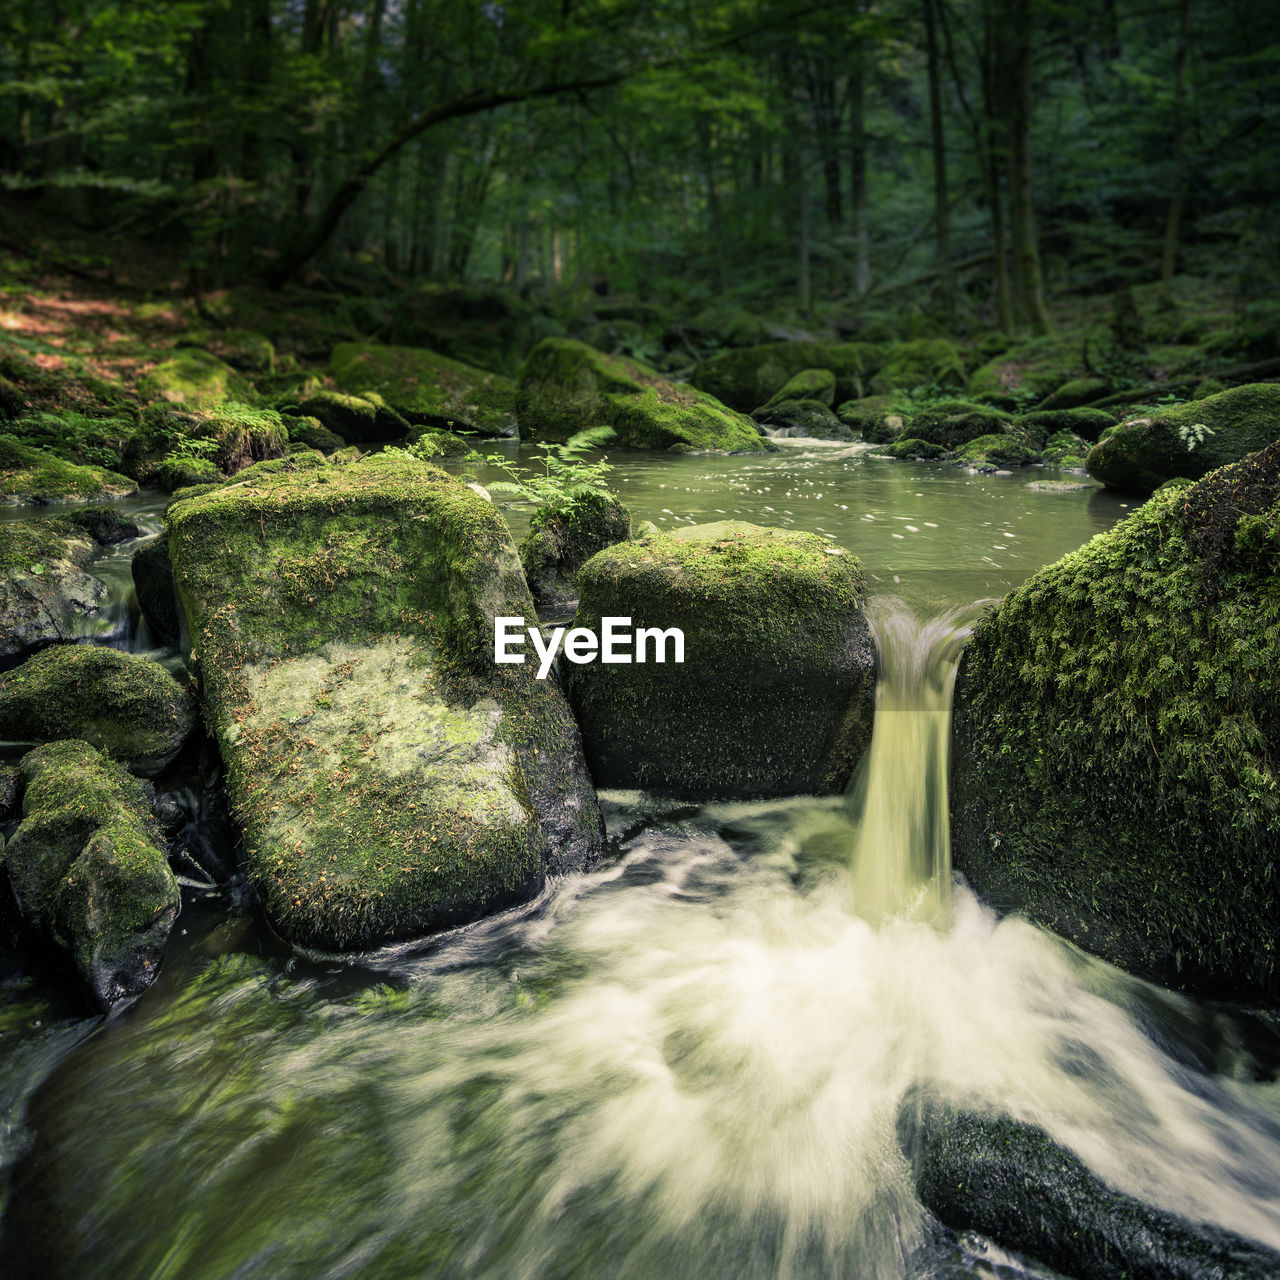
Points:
point(242, 349)
point(808, 384)
point(921, 363)
point(388, 777)
point(173, 448)
point(1089, 424)
point(46, 594)
point(1065, 449)
point(923, 450)
point(566, 386)
point(196, 380)
point(88, 870)
point(312, 434)
point(996, 451)
point(805, 419)
point(486, 327)
point(1116, 738)
point(952, 423)
point(562, 539)
point(1187, 439)
point(34, 477)
point(153, 584)
point(749, 377)
point(26, 388)
point(12, 784)
point(1026, 373)
point(1077, 392)
point(431, 445)
point(876, 418)
point(356, 419)
point(980, 1172)
point(77, 437)
point(123, 704)
point(427, 389)
point(776, 692)
point(105, 525)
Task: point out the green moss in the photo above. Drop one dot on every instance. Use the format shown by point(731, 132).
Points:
point(1065, 449)
point(195, 379)
point(313, 435)
point(76, 437)
point(774, 695)
point(173, 448)
point(809, 418)
point(431, 445)
point(1116, 736)
point(485, 327)
point(240, 348)
point(427, 389)
point(997, 450)
point(1026, 373)
point(121, 703)
point(561, 541)
point(566, 386)
point(35, 476)
point(1087, 423)
point(1076, 392)
point(355, 418)
point(914, 448)
point(748, 377)
point(952, 423)
point(1187, 439)
point(808, 384)
point(924, 362)
point(877, 418)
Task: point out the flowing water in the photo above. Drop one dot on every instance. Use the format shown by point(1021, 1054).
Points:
point(688, 1062)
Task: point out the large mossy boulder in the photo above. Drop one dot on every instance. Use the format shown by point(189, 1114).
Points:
point(566, 386)
point(1087, 423)
point(923, 362)
point(86, 440)
point(361, 419)
point(46, 593)
point(561, 539)
point(776, 692)
point(952, 423)
point(876, 418)
point(808, 384)
point(1010, 1181)
point(749, 377)
point(389, 778)
point(808, 419)
point(1116, 738)
point(1025, 374)
point(175, 447)
point(194, 379)
point(996, 451)
point(88, 870)
point(427, 389)
point(1187, 440)
point(121, 703)
point(30, 476)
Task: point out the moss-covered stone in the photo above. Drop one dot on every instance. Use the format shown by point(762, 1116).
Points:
point(561, 540)
point(389, 778)
point(1086, 423)
point(46, 594)
point(173, 448)
point(123, 704)
point(195, 379)
point(1026, 373)
point(427, 389)
point(242, 349)
point(312, 434)
point(776, 692)
point(1187, 439)
point(431, 445)
point(876, 418)
point(76, 437)
point(34, 477)
point(1065, 449)
point(105, 525)
point(1076, 392)
point(912, 447)
point(359, 419)
point(808, 384)
point(1116, 738)
point(567, 386)
point(11, 787)
point(1011, 1182)
point(921, 363)
point(952, 423)
point(748, 377)
point(996, 451)
point(804, 418)
point(153, 584)
point(87, 869)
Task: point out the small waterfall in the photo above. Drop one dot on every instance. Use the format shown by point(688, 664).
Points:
point(901, 854)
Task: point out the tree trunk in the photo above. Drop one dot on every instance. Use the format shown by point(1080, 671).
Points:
point(941, 218)
point(1174, 219)
point(858, 172)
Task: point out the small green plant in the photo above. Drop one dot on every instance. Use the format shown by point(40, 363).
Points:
point(1194, 434)
point(565, 473)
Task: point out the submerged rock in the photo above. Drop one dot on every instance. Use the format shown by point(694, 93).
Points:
point(1116, 739)
point(1189, 440)
point(775, 695)
point(561, 541)
point(88, 871)
point(30, 476)
point(427, 389)
point(1013, 1183)
point(389, 778)
point(566, 386)
point(46, 594)
point(121, 703)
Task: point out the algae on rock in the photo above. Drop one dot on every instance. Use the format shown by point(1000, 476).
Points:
point(390, 780)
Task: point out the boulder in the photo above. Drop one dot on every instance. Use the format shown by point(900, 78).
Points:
point(153, 585)
point(359, 419)
point(804, 418)
point(566, 386)
point(389, 778)
point(775, 695)
point(1188, 440)
point(562, 539)
point(123, 704)
point(1115, 740)
point(1065, 449)
point(1014, 1184)
point(1087, 423)
point(105, 525)
point(88, 871)
point(194, 379)
point(427, 389)
point(808, 384)
point(921, 363)
point(311, 434)
point(952, 423)
point(46, 594)
point(176, 447)
point(748, 377)
point(875, 417)
point(915, 448)
point(30, 476)
point(1026, 373)
point(996, 451)
point(1076, 392)
point(430, 445)
point(85, 439)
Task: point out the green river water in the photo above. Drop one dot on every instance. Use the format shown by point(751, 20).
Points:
point(686, 1063)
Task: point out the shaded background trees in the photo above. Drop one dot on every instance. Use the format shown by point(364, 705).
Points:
point(773, 152)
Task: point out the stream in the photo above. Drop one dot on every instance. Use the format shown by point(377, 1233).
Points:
point(687, 1062)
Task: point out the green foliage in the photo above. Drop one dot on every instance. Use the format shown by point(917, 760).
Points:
point(566, 474)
